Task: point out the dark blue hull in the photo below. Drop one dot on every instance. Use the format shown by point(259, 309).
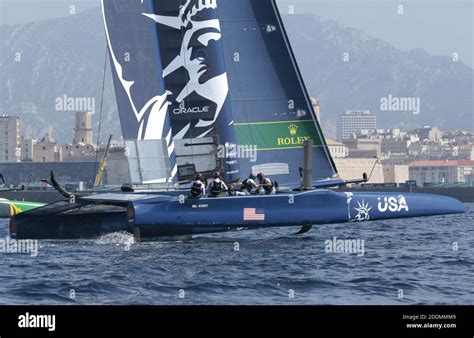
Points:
point(311, 207)
point(68, 226)
point(170, 215)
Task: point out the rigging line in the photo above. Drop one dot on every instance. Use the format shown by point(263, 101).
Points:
point(187, 78)
point(222, 43)
point(101, 106)
point(303, 86)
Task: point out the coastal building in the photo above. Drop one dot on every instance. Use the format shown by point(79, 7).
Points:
point(396, 173)
point(10, 150)
point(81, 148)
point(459, 136)
point(77, 152)
point(337, 149)
point(428, 133)
point(354, 168)
point(27, 149)
point(441, 172)
point(355, 122)
point(83, 129)
point(47, 150)
point(394, 146)
point(468, 149)
point(470, 179)
point(316, 108)
point(439, 150)
point(364, 147)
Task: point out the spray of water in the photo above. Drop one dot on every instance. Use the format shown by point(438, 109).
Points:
point(118, 238)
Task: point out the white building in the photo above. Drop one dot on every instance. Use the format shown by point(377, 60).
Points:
point(77, 152)
point(337, 149)
point(47, 150)
point(10, 149)
point(316, 108)
point(441, 171)
point(27, 149)
point(356, 122)
point(470, 179)
point(83, 129)
point(429, 133)
point(395, 146)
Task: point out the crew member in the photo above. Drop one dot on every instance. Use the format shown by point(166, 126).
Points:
point(234, 192)
point(198, 188)
point(217, 187)
point(266, 185)
point(248, 185)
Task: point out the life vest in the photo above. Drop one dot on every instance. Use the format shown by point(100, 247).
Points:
point(268, 187)
point(232, 191)
point(196, 189)
point(216, 188)
point(246, 185)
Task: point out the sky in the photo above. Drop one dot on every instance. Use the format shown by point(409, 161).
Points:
point(441, 27)
point(22, 11)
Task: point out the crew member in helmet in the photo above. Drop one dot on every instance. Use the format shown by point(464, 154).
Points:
point(198, 188)
point(266, 185)
point(217, 186)
point(249, 184)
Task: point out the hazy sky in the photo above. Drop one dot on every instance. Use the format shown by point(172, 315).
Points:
point(441, 27)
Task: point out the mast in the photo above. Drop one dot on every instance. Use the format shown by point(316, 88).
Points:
point(103, 164)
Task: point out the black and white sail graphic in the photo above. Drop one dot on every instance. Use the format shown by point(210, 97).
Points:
point(215, 72)
point(194, 72)
point(140, 91)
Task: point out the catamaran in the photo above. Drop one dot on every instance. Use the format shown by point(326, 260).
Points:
point(8, 208)
point(195, 80)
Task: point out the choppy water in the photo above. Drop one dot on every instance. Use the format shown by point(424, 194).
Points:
point(405, 262)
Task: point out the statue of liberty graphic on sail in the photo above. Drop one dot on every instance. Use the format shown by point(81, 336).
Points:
point(142, 98)
point(143, 95)
point(169, 73)
point(201, 56)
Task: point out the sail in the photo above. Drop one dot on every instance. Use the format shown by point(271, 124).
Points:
point(217, 82)
point(194, 73)
point(141, 95)
point(270, 105)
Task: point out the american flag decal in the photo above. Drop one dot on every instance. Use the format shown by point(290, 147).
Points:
point(252, 214)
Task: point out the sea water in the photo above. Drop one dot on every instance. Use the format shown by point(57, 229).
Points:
point(409, 261)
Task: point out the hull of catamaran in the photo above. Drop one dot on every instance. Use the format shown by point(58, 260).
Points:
point(9, 208)
point(157, 216)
